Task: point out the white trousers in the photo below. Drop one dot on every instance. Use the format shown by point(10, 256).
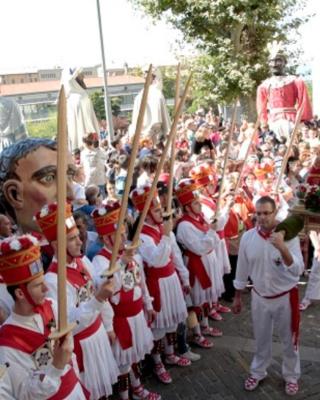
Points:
point(267, 313)
point(282, 128)
point(313, 287)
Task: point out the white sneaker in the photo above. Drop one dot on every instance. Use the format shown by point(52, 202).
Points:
point(191, 356)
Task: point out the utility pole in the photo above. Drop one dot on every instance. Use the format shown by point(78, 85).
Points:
point(107, 104)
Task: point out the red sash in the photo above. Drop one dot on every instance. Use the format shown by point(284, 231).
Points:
point(24, 339)
point(29, 341)
point(77, 277)
point(154, 274)
point(85, 333)
point(295, 311)
point(198, 223)
point(68, 383)
point(126, 308)
point(195, 264)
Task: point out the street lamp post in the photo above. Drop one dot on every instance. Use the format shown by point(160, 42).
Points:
point(107, 105)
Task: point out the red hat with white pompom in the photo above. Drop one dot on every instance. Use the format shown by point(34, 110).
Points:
point(20, 259)
point(140, 195)
point(187, 191)
point(106, 217)
point(47, 219)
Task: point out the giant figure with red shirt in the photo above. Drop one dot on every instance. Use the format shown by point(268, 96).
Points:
point(36, 369)
point(279, 98)
point(85, 304)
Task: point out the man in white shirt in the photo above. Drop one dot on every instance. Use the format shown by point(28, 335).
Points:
point(274, 267)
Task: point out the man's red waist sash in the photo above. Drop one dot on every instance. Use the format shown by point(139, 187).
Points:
point(197, 270)
point(126, 308)
point(152, 276)
point(295, 312)
point(85, 333)
point(68, 383)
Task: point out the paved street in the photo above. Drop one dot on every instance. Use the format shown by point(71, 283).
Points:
point(220, 373)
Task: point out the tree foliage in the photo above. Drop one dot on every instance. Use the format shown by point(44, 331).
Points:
point(98, 105)
point(232, 36)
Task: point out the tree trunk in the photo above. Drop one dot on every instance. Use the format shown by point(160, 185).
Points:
point(248, 104)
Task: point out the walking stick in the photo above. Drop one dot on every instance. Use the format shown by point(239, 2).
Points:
point(62, 153)
point(134, 151)
point(286, 156)
point(160, 165)
point(173, 147)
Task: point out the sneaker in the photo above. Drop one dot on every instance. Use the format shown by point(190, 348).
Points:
point(140, 393)
point(215, 315)
point(304, 304)
point(223, 309)
point(161, 373)
point(191, 356)
point(211, 331)
point(251, 383)
point(202, 342)
point(291, 388)
point(180, 361)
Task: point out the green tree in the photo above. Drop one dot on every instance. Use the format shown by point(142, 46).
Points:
point(232, 37)
point(98, 105)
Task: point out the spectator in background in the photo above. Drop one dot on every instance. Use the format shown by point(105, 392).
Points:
point(5, 227)
point(202, 139)
point(91, 244)
point(93, 161)
point(122, 175)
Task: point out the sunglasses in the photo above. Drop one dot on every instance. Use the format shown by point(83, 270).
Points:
point(266, 213)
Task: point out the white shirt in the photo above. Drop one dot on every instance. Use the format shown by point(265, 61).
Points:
point(260, 260)
point(26, 381)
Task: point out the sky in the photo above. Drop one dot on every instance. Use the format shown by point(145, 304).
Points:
point(48, 33)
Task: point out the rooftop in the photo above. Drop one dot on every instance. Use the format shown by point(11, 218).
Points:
point(54, 86)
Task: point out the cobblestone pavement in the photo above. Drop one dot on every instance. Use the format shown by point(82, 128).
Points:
point(220, 373)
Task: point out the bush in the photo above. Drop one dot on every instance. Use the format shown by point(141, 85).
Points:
point(42, 129)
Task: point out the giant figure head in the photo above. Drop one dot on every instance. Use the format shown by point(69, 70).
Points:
point(28, 172)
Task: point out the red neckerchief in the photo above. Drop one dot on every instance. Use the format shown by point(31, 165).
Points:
point(156, 232)
point(199, 223)
point(265, 235)
point(77, 277)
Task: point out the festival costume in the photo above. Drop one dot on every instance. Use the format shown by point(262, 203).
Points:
point(24, 340)
point(313, 287)
point(278, 99)
point(130, 300)
point(98, 369)
point(160, 254)
point(274, 300)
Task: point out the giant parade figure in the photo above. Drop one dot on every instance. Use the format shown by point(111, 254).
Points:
point(156, 123)
point(280, 96)
point(80, 112)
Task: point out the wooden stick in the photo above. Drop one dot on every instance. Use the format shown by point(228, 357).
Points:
point(160, 165)
point(133, 155)
point(256, 126)
point(286, 156)
point(62, 153)
point(173, 146)
point(226, 157)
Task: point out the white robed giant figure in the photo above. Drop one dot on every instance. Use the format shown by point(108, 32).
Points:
point(81, 117)
point(12, 126)
point(156, 123)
